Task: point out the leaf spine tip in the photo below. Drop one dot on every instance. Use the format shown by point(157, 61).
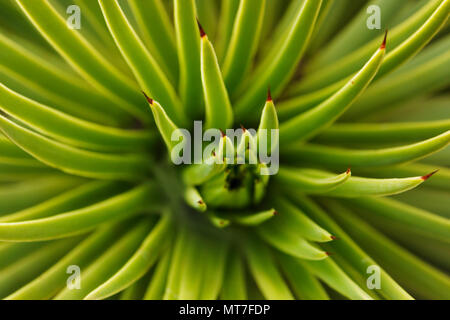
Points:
point(333, 237)
point(426, 177)
point(243, 128)
point(200, 28)
point(269, 95)
point(200, 202)
point(150, 100)
point(275, 213)
point(349, 170)
point(383, 45)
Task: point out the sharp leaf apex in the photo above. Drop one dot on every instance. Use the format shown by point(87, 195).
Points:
point(426, 177)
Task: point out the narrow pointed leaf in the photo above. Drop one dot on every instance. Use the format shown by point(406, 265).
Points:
point(139, 263)
point(336, 156)
point(78, 221)
point(305, 179)
point(311, 122)
point(219, 114)
point(73, 160)
point(265, 272)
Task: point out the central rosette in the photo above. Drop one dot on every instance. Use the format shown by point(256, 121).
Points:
point(223, 170)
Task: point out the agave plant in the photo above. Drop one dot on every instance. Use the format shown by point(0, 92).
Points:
point(92, 207)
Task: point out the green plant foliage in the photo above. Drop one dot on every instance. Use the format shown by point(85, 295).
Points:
point(87, 124)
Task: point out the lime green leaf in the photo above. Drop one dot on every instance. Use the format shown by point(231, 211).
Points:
point(419, 220)
point(336, 156)
point(244, 41)
point(139, 263)
point(30, 266)
point(83, 57)
point(265, 272)
point(110, 261)
point(345, 249)
point(280, 70)
point(219, 114)
point(188, 44)
point(311, 122)
point(158, 32)
point(234, 284)
point(306, 180)
point(304, 284)
point(74, 198)
point(54, 279)
point(146, 70)
point(428, 282)
point(72, 160)
point(81, 220)
point(69, 129)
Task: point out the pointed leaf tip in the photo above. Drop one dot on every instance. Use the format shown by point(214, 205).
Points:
point(200, 28)
point(349, 170)
point(243, 128)
point(150, 100)
point(426, 177)
point(383, 45)
point(275, 213)
point(333, 237)
point(269, 95)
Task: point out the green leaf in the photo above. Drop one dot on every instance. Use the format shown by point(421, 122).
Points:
point(428, 282)
point(250, 218)
point(155, 290)
point(292, 219)
point(311, 122)
point(194, 199)
point(68, 129)
point(338, 157)
point(419, 220)
point(280, 70)
point(145, 69)
point(110, 261)
point(234, 286)
point(289, 241)
point(219, 114)
point(141, 261)
point(346, 251)
point(81, 220)
point(267, 124)
point(20, 195)
point(43, 72)
point(378, 133)
point(403, 36)
point(330, 273)
point(243, 43)
point(158, 33)
point(363, 187)
point(83, 57)
point(188, 44)
point(26, 269)
point(307, 181)
point(304, 284)
point(265, 272)
point(54, 279)
point(74, 198)
point(73, 160)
